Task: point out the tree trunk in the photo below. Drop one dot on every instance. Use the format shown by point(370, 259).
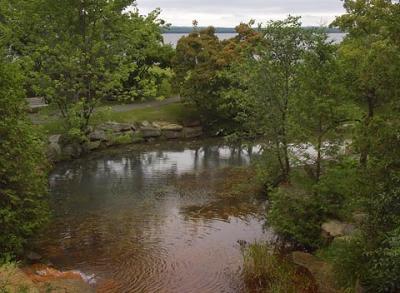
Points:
point(370, 115)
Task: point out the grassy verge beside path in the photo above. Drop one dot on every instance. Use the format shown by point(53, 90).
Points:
point(171, 110)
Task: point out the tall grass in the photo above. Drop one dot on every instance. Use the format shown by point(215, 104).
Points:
point(267, 270)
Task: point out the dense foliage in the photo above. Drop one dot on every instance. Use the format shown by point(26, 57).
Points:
point(23, 178)
point(83, 52)
point(329, 116)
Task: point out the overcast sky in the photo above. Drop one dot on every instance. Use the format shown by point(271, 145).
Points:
point(229, 13)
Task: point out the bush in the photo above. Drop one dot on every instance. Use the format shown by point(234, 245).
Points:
point(378, 269)
point(23, 178)
point(347, 258)
point(338, 189)
point(383, 266)
point(297, 215)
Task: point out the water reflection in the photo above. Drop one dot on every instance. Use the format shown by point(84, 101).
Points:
point(126, 218)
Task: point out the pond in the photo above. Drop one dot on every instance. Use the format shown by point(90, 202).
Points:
point(147, 218)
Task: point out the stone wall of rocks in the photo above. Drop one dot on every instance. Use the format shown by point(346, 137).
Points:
point(114, 134)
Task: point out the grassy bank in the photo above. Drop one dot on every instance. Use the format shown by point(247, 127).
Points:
point(52, 123)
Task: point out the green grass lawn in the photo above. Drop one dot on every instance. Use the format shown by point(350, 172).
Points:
point(175, 113)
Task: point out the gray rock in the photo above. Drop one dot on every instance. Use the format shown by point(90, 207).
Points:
point(168, 126)
point(98, 135)
point(53, 152)
point(172, 134)
point(73, 150)
point(192, 132)
point(335, 228)
point(116, 127)
point(150, 131)
point(55, 139)
point(145, 124)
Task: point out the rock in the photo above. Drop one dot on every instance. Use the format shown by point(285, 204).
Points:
point(321, 271)
point(98, 135)
point(93, 145)
point(165, 126)
point(192, 132)
point(33, 256)
point(55, 139)
point(335, 228)
point(172, 134)
point(170, 130)
point(73, 150)
point(145, 124)
point(53, 152)
point(150, 131)
point(116, 127)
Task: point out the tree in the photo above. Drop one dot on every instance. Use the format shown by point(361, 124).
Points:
point(202, 67)
point(269, 84)
point(23, 172)
point(370, 59)
point(84, 51)
point(320, 106)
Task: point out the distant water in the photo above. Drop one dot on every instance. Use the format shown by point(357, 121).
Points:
point(174, 38)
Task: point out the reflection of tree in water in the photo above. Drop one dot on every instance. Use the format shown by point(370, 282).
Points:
point(232, 193)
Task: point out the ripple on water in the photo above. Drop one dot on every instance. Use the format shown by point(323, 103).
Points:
point(148, 221)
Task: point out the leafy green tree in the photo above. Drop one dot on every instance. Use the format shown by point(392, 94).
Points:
point(320, 107)
point(23, 172)
point(269, 81)
point(370, 60)
point(196, 67)
point(202, 67)
point(85, 51)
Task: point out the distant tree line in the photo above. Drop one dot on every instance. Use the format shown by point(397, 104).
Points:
point(227, 30)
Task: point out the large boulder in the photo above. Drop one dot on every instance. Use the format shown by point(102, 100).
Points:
point(320, 270)
point(336, 228)
point(192, 132)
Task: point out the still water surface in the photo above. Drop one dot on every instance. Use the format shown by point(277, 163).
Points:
point(147, 219)
point(173, 38)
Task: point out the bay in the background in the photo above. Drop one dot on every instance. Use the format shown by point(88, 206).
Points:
point(173, 38)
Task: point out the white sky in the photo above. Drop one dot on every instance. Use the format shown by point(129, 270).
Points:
point(229, 13)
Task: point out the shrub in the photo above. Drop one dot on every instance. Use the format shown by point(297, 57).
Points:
point(23, 178)
point(297, 215)
point(377, 268)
